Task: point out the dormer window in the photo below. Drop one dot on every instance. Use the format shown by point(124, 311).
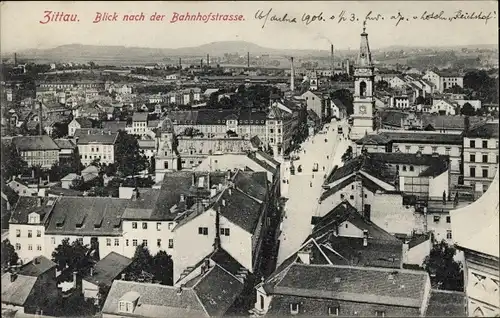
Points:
point(333, 310)
point(294, 309)
point(126, 306)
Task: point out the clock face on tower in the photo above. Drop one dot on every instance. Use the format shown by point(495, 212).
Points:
point(362, 110)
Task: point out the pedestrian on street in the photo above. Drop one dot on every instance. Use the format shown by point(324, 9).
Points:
point(310, 184)
point(313, 176)
point(323, 168)
point(327, 157)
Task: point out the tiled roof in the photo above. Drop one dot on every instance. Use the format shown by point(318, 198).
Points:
point(18, 291)
point(26, 205)
point(448, 122)
point(84, 122)
point(484, 130)
point(256, 142)
point(143, 206)
point(101, 136)
point(436, 164)
point(114, 126)
point(65, 143)
point(359, 284)
point(108, 269)
point(30, 143)
point(422, 137)
point(64, 192)
point(445, 303)
point(154, 300)
point(37, 266)
point(338, 103)
point(240, 209)
point(140, 116)
point(146, 144)
point(392, 117)
point(87, 216)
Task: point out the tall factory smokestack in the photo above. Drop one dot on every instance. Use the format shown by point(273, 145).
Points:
point(292, 76)
point(201, 63)
point(15, 59)
point(332, 60)
point(208, 59)
point(248, 59)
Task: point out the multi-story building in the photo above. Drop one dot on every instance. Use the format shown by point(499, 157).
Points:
point(37, 150)
point(444, 107)
point(443, 80)
point(318, 101)
point(281, 126)
point(425, 142)
point(401, 102)
point(96, 144)
point(78, 123)
point(139, 123)
point(475, 229)
point(480, 155)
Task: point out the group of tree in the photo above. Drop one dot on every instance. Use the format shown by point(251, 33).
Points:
point(159, 267)
point(420, 100)
point(128, 157)
point(9, 255)
point(12, 164)
point(445, 272)
point(346, 97)
point(479, 85)
point(72, 257)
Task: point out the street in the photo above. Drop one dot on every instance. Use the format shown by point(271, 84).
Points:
point(304, 187)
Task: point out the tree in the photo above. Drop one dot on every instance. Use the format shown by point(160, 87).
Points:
point(69, 258)
point(129, 160)
point(467, 110)
point(77, 184)
point(445, 272)
point(346, 97)
point(141, 261)
point(9, 255)
point(11, 164)
point(163, 268)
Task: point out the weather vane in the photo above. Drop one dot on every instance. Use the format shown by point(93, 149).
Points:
point(364, 26)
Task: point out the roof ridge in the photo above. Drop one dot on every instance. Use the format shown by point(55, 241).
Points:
point(365, 268)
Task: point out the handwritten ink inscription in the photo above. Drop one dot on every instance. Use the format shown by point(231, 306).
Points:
point(344, 16)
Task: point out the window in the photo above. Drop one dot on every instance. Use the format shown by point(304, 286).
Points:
point(18, 247)
point(421, 148)
point(126, 242)
point(448, 219)
point(472, 158)
point(436, 218)
point(448, 235)
point(485, 143)
point(134, 225)
point(38, 247)
point(226, 232)
point(38, 233)
point(170, 225)
point(485, 172)
point(472, 144)
point(404, 168)
point(472, 171)
point(485, 158)
point(497, 159)
point(145, 243)
point(434, 149)
point(53, 240)
point(117, 242)
point(351, 197)
point(203, 230)
point(30, 233)
point(412, 168)
point(341, 195)
point(144, 226)
point(165, 164)
point(352, 187)
point(397, 167)
point(170, 243)
point(447, 150)
point(30, 247)
point(294, 308)
point(158, 226)
point(18, 233)
point(407, 148)
point(379, 313)
point(134, 242)
point(158, 242)
point(108, 242)
point(333, 311)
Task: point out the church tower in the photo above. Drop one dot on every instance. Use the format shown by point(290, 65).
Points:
point(313, 81)
point(363, 90)
point(167, 158)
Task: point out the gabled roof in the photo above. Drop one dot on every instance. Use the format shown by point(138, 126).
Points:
point(140, 116)
point(337, 102)
point(99, 136)
point(114, 126)
point(18, 291)
point(26, 205)
point(483, 130)
point(444, 303)
point(240, 209)
point(108, 269)
point(84, 122)
point(31, 143)
point(65, 143)
point(37, 266)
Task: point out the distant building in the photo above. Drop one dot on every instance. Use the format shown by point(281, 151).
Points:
point(37, 150)
point(78, 123)
point(96, 144)
point(444, 80)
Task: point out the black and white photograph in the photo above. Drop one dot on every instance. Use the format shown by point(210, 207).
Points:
point(249, 159)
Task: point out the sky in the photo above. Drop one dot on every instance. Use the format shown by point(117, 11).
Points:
point(21, 28)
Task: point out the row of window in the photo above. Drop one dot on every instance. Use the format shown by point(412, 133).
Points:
point(421, 149)
point(92, 157)
point(158, 225)
point(332, 310)
point(30, 233)
point(30, 247)
point(472, 144)
point(437, 218)
point(484, 158)
point(135, 242)
point(39, 153)
point(472, 172)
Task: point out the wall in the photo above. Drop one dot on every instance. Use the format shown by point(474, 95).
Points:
point(238, 244)
point(438, 184)
point(417, 254)
point(441, 227)
point(389, 213)
point(37, 243)
point(88, 153)
point(492, 165)
point(53, 240)
point(151, 234)
point(186, 237)
point(231, 162)
point(348, 229)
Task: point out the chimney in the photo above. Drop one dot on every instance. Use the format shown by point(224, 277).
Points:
point(123, 276)
point(91, 270)
point(332, 60)
point(466, 123)
point(248, 59)
point(182, 198)
point(201, 63)
point(40, 121)
point(179, 290)
point(37, 260)
point(217, 229)
point(15, 59)
point(135, 194)
point(208, 59)
point(213, 191)
point(180, 63)
point(193, 180)
point(13, 277)
point(205, 267)
point(292, 76)
point(228, 175)
point(38, 202)
point(365, 238)
point(223, 202)
point(75, 282)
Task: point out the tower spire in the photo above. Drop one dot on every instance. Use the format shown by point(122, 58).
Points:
point(365, 56)
point(364, 26)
